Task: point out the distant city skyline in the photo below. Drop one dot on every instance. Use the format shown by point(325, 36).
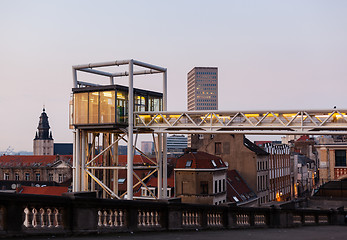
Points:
point(270, 54)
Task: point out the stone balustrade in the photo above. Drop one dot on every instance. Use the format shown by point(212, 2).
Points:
point(31, 215)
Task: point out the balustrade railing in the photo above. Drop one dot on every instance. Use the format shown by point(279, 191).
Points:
point(43, 217)
point(190, 218)
point(148, 218)
point(36, 215)
point(111, 218)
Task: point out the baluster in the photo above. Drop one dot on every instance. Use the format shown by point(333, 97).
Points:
point(42, 217)
point(208, 219)
point(156, 218)
point(34, 221)
point(99, 218)
point(49, 218)
point(110, 219)
point(56, 221)
point(105, 218)
point(27, 222)
point(183, 218)
point(116, 218)
point(148, 219)
point(139, 223)
point(121, 218)
point(152, 218)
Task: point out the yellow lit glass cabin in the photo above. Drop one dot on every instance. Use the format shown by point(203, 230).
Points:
point(108, 105)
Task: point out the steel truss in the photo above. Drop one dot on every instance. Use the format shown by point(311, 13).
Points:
point(322, 122)
point(102, 168)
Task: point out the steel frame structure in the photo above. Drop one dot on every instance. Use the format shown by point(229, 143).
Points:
point(296, 122)
point(84, 157)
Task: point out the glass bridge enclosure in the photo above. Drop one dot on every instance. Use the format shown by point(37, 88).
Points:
point(108, 105)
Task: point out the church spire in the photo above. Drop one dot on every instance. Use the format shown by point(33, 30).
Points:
point(43, 132)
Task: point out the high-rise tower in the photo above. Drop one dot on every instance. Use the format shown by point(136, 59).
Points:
point(202, 83)
point(43, 141)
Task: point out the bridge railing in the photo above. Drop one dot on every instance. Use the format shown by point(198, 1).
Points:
point(33, 215)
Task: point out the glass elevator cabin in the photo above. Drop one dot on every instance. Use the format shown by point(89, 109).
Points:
point(107, 106)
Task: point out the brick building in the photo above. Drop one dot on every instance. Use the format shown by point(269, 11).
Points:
point(44, 168)
point(251, 162)
point(200, 178)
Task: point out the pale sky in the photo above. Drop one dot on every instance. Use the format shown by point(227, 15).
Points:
point(270, 55)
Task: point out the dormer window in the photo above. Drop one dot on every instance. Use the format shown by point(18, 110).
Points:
point(189, 163)
point(213, 163)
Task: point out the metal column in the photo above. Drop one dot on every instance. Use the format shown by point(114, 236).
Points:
point(130, 134)
point(78, 160)
point(83, 162)
point(164, 162)
point(160, 166)
point(74, 178)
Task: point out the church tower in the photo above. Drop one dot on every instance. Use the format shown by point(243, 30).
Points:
point(43, 141)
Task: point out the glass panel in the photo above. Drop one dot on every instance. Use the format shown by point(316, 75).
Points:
point(140, 103)
point(122, 107)
point(93, 107)
point(80, 108)
point(154, 104)
point(107, 107)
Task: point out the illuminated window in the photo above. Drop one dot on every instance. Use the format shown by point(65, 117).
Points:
point(93, 107)
point(122, 107)
point(81, 108)
point(107, 107)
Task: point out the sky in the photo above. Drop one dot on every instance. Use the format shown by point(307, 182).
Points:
point(270, 54)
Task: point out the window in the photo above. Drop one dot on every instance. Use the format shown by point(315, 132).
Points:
point(50, 177)
point(6, 176)
point(204, 187)
point(215, 186)
point(220, 185)
point(121, 180)
point(340, 158)
point(189, 163)
point(218, 148)
point(60, 178)
point(37, 176)
point(213, 163)
point(27, 176)
point(16, 176)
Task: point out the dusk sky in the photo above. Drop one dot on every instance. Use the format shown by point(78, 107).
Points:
point(270, 55)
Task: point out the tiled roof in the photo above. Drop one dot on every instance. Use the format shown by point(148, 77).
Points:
point(33, 160)
point(303, 138)
point(237, 189)
point(200, 160)
point(49, 190)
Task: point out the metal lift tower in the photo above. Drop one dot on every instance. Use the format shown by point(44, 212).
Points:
point(101, 116)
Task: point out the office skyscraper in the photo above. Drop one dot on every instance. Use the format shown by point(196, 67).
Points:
point(202, 83)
